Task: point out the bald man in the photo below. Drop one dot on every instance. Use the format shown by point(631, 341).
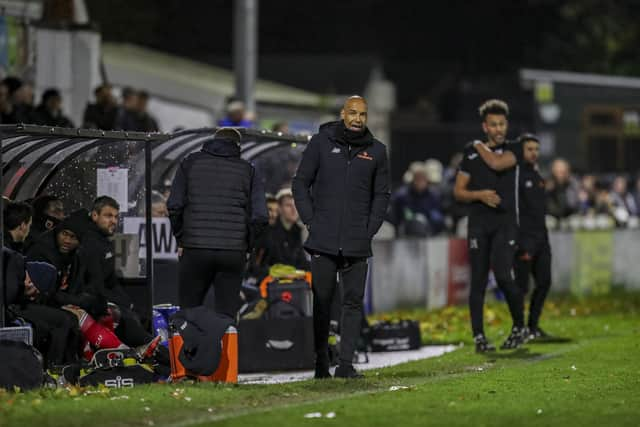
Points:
point(341, 190)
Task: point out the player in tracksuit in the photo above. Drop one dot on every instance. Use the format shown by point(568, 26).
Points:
point(534, 253)
point(486, 180)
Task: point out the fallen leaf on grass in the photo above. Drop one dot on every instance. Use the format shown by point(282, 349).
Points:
point(123, 397)
point(313, 415)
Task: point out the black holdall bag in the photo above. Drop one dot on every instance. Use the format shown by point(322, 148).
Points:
point(118, 376)
point(395, 336)
point(275, 344)
point(21, 366)
point(289, 298)
point(116, 368)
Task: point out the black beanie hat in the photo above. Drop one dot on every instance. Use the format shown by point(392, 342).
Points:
point(77, 222)
point(42, 274)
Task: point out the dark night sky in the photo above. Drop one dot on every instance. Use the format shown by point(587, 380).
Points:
point(413, 40)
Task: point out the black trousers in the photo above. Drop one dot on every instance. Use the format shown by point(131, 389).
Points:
point(56, 332)
point(201, 268)
point(130, 329)
point(534, 258)
point(353, 276)
point(492, 244)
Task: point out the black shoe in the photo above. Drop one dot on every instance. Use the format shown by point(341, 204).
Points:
point(347, 371)
point(321, 374)
point(516, 338)
point(538, 334)
point(482, 344)
point(322, 369)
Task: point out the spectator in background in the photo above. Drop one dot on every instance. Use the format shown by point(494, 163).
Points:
point(236, 116)
point(416, 210)
point(7, 111)
point(280, 127)
point(21, 97)
point(17, 217)
point(636, 194)
point(127, 114)
point(602, 202)
point(147, 123)
point(283, 240)
point(433, 169)
point(101, 114)
point(562, 190)
point(49, 112)
point(622, 200)
point(158, 205)
point(272, 208)
point(48, 211)
point(587, 194)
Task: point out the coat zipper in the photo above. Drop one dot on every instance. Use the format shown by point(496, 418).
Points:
point(344, 198)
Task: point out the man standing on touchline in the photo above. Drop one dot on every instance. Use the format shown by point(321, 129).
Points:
point(341, 190)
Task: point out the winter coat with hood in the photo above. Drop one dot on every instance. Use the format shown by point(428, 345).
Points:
point(217, 200)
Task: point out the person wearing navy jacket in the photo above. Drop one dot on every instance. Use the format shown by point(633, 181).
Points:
point(534, 252)
point(341, 190)
point(217, 210)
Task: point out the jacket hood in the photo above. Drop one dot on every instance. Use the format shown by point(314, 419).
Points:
point(77, 222)
point(221, 147)
point(338, 132)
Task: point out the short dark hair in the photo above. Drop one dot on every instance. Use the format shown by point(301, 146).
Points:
point(100, 88)
point(50, 93)
point(104, 201)
point(271, 198)
point(143, 94)
point(228, 133)
point(493, 106)
point(128, 92)
point(16, 213)
point(527, 137)
point(41, 204)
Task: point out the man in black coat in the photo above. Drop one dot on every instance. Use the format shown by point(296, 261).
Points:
point(341, 190)
point(534, 252)
point(60, 248)
point(217, 208)
point(18, 217)
point(56, 332)
point(97, 255)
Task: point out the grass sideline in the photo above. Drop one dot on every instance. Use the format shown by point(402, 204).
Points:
point(592, 380)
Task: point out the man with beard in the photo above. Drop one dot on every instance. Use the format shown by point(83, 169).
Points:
point(97, 256)
point(59, 247)
point(534, 253)
point(341, 190)
point(492, 226)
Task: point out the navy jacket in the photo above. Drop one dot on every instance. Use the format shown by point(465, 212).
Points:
point(407, 202)
point(217, 200)
point(341, 191)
